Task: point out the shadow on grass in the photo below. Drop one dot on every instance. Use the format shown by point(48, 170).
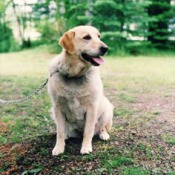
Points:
point(37, 157)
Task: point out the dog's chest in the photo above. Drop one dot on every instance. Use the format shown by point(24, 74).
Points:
point(69, 92)
point(73, 90)
point(73, 98)
point(73, 108)
point(76, 111)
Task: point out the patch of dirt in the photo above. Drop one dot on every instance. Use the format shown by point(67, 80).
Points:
point(143, 131)
point(147, 146)
point(3, 126)
point(161, 105)
point(38, 157)
point(9, 152)
point(140, 144)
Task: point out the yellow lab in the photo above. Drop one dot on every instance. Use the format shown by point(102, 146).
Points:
point(76, 90)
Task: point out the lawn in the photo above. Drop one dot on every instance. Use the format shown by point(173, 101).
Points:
point(143, 136)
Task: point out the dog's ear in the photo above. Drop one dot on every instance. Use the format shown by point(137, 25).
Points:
point(66, 41)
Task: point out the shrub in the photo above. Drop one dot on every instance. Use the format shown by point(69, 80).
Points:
point(7, 41)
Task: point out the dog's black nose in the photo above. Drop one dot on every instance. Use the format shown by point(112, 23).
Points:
point(103, 49)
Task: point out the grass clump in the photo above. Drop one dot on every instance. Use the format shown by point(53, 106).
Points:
point(169, 139)
point(126, 98)
point(123, 112)
point(134, 171)
point(113, 162)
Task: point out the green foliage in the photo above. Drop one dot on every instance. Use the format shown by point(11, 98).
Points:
point(138, 47)
point(161, 12)
point(49, 35)
point(48, 32)
point(7, 41)
point(116, 27)
point(125, 25)
point(77, 13)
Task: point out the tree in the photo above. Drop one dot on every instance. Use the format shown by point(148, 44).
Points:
point(119, 21)
point(58, 16)
point(22, 19)
point(126, 25)
point(78, 12)
point(161, 12)
point(7, 41)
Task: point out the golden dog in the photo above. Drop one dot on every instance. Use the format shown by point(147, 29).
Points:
point(76, 90)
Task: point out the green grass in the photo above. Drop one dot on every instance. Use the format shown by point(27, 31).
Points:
point(134, 74)
point(125, 80)
point(35, 170)
point(123, 112)
point(117, 161)
point(29, 63)
point(126, 98)
point(169, 139)
point(21, 73)
point(134, 171)
point(173, 173)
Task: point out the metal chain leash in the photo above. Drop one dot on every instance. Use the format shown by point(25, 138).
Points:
point(7, 102)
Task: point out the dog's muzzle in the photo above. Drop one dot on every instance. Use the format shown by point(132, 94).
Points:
point(95, 60)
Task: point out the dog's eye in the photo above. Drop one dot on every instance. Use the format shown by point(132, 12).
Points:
point(87, 37)
point(99, 36)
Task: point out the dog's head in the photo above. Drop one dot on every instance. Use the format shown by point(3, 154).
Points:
point(84, 41)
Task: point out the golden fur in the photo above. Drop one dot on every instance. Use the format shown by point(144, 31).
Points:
point(76, 90)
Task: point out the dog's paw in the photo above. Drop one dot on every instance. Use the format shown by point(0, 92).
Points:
point(58, 149)
point(104, 136)
point(86, 149)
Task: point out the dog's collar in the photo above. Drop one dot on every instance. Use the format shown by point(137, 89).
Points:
point(67, 75)
point(69, 79)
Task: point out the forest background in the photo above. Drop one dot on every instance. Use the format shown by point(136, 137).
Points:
point(127, 26)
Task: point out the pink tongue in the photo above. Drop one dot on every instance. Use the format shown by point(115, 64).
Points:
point(99, 60)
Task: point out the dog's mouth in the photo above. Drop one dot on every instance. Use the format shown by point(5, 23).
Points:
point(95, 60)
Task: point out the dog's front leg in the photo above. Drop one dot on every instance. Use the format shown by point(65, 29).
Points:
point(89, 129)
point(61, 133)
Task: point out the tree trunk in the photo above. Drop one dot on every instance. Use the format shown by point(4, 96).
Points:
point(18, 21)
